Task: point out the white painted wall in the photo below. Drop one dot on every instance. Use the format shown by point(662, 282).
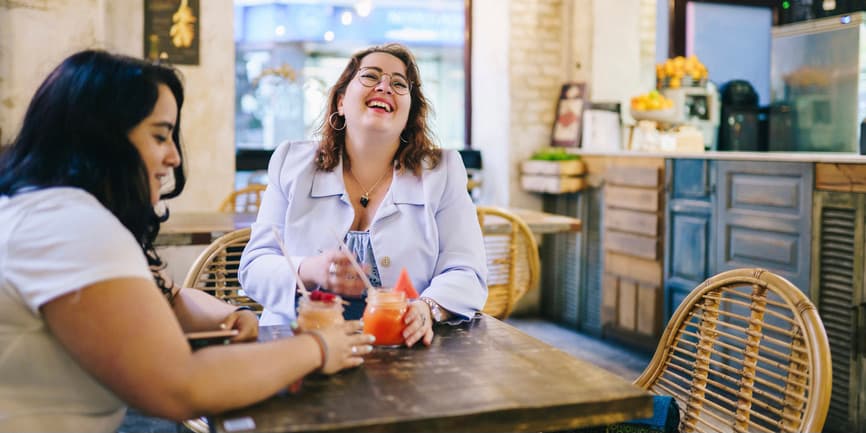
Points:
point(490, 96)
point(34, 39)
point(616, 66)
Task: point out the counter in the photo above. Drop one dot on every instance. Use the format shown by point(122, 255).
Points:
point(826, 157)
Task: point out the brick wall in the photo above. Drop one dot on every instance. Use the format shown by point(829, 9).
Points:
point(536, 66)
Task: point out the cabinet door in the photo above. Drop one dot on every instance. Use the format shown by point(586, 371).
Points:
point(837, 290)
point(632, 290)
point(689, 223)
point(764, 212)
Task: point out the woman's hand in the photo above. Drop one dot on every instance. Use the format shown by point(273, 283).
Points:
point(419, 324)
point(246, 322)
point(344, 347)
point(333, 271)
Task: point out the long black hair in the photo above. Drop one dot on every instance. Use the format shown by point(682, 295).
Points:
point(75, 134)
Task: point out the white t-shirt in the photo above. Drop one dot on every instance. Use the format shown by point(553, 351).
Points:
point(52, 242)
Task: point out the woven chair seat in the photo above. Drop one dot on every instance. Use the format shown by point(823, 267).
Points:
point(216, 270)
point(745, 352)
point(512, 261)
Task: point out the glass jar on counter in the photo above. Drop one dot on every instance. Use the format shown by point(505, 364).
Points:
point(383, 316)
point(318, 314)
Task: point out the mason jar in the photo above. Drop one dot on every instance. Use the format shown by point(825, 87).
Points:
point(383, 316)
point(319, 314)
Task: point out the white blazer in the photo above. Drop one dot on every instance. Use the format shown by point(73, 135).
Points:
point(426, 224)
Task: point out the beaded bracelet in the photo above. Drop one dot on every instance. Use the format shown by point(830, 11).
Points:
point(323, 346)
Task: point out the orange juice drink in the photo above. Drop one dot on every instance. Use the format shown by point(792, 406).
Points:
point(383, 316)
point(319, 313)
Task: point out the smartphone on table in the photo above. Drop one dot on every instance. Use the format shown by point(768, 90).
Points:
point(197, 340)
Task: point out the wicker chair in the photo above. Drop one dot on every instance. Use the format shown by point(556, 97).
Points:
point(512, 261)
point(216, 269)
point(216, 272)
point(745, 351)
point(246, 199)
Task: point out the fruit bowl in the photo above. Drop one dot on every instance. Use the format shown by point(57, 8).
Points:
point(665, 115)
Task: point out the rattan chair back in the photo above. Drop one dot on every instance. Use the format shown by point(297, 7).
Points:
point(512, 260)
point(244, 200)
point(745, 352)
point(216, 269)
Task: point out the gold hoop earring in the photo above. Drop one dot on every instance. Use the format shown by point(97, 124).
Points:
point(331, 122)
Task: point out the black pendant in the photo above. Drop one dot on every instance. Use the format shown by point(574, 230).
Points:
point(365, 200)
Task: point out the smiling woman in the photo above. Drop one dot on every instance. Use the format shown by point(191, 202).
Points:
point(90, 322)
point(153, 140)
point(377, 181)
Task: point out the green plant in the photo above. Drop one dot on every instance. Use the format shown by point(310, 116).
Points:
point(554, 154)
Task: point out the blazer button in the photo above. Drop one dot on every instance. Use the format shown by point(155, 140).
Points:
point(386, 261)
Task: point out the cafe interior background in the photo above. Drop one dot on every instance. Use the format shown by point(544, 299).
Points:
point(264, 67)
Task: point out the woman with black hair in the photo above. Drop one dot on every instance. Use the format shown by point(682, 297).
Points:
point(83, 325)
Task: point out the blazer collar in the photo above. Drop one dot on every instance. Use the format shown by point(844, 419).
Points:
point(328, 183)
point(406, 188)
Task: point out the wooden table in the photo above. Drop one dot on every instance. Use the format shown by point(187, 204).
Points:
point(484, 376)
point(540, 223)
point(200, 228)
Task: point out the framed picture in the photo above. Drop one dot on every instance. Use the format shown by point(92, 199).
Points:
point(569, 115)
point(171, 31)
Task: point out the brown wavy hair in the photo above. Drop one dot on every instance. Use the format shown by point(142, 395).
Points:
point(416, 140)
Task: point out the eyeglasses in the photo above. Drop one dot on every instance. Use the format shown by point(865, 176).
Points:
point(370, 77)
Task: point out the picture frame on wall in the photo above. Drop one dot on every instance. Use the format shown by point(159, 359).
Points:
point(569, 115)
point(172, 31)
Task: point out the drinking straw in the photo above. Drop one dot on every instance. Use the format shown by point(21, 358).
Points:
point(292, 266)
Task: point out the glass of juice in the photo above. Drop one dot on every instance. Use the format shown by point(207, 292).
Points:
point(383, 316)
point(317, 312)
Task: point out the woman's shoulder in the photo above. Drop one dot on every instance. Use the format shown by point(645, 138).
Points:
point(75, 207)
point(60, 199)
point(302, 149)
point(449, 160)
point(293, 155)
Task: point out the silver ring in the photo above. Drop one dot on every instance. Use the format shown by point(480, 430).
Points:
point(332, 269)
point(354, 350)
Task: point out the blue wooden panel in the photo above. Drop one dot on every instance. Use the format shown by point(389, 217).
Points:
point(689, 230)
point(769, 193)
point(759, 247)
point(690, 178)
point(764, 218)
point(688, 247)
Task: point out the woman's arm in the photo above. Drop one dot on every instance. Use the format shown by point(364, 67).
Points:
point(199, 311)
point(264, 272)
point(124, 333)
point(459, 283)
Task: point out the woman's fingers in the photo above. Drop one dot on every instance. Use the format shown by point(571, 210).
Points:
point(344, 279)
point(418, 324)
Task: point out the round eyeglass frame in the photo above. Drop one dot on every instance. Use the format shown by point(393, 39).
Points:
point(382, 74)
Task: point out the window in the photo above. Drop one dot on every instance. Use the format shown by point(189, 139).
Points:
point(289, 53)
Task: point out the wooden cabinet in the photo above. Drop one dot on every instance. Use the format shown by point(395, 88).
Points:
point(764, 218)
point(632, 295)
point(690, 192)
point(838, 291)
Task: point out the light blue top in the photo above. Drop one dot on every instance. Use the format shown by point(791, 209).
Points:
point(425, 223)
point(359, 244)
